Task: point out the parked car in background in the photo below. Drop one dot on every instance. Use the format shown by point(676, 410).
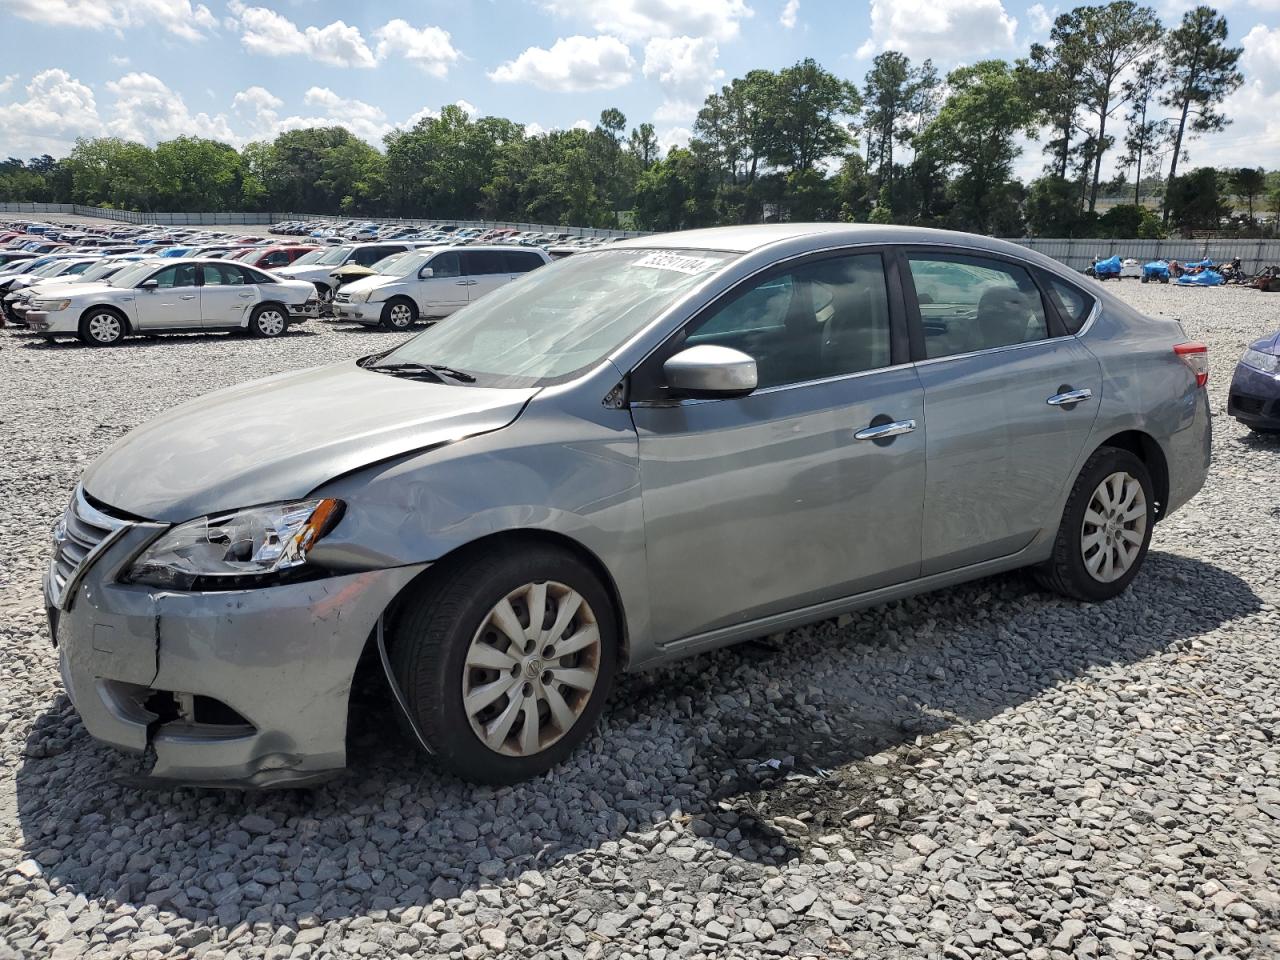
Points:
point(317, 266)
point(1254, 398)
point(18, 302)
point(274, 257)
point(431, 283)
point(179, 297)
point(659, 448)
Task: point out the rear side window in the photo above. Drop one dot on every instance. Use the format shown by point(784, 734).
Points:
point(368, 256)
point(521, 261)
point(971, 303)
point(481, 262)
point(221, 275)
point(1073, 305)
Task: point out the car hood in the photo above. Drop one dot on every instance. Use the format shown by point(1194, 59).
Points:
point(90, 288)
point(373, 282)
point(281, 437)
point(307, 271)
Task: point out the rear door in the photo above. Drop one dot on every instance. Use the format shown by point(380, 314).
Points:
point(1011, 394)
point(225, 297)
point(486, 271)
point(173, 303)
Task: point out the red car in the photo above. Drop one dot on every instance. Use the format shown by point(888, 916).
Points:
point(269, 258)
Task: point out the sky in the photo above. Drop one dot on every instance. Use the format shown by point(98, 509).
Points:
point(241, 70)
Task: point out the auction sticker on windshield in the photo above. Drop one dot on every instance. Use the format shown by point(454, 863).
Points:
point(676, 261)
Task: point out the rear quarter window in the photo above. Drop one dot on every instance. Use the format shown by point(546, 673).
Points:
point(1074, 305)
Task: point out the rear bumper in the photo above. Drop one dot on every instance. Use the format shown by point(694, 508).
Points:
point(264, 675)
point(1254, 398)
point(301, 312)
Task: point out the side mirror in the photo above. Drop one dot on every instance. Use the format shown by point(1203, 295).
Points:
point(149, 284)
point(708, 371)
point(426, 273)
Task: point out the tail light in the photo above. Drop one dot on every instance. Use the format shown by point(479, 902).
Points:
point(1196, 356)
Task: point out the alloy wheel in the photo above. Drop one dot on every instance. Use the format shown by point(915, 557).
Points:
point(1115, 527)
point(270, 323)
point(531, 668)
point(400, 315)
point(105, 327)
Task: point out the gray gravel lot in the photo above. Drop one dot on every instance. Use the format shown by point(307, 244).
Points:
point(986, 771)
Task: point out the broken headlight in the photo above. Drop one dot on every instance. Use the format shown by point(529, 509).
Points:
point(237, 549)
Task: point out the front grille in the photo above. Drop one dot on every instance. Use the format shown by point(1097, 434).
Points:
point(80, 532)
point(1247, 404)
point(342, 298)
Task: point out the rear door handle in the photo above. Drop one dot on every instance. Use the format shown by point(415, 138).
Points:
point(247, 296)
point(466, 283)
point(187, 296)
point(1069, 398)
point(886, 430)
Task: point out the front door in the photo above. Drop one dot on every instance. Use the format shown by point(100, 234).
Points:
point(1005, 434)
point(172, 304)
point(446, 289)
point(771, 502)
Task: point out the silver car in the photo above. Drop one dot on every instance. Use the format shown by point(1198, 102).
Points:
point(632, 455)
point(173, 296)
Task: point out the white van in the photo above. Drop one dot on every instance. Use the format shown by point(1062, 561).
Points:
point(432, 283)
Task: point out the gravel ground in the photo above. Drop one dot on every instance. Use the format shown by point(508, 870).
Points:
point(982, 772)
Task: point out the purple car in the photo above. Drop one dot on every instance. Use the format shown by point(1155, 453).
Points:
point(1255, 388)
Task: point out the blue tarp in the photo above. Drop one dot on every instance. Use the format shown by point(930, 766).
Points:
point(1156, 268)
point(1109, 266)
point(1192, 264)
point(1205, 278)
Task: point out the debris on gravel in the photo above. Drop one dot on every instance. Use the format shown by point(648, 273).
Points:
point(982, 772)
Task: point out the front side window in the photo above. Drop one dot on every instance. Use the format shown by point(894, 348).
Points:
point(827, 318)
point(179, 275)
point(972, 303)
point(446, 265)
point(560, 320)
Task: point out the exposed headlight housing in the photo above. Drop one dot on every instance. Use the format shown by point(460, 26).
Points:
point(239, 549)
point(1266, 362)
point(50, 306)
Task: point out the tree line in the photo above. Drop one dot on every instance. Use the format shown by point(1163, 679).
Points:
point(908, 145)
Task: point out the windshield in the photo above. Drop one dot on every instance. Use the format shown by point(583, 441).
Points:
point(310, 257)
point(101, 269)
point(333, 256)
point(132, 276)
point(50, 269)
point(559, 320)
point(401, 264)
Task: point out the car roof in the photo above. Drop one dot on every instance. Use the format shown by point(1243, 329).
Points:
point(745, 239)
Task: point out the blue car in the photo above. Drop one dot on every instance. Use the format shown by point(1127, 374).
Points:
point(1255, 389)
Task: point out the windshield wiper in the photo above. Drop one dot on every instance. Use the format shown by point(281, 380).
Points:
point(439, 371)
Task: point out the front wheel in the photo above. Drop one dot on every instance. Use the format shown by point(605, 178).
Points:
point(268, 320)
point(102, 327)
point(1105, 530)
point(505, 660)
point(399, 314)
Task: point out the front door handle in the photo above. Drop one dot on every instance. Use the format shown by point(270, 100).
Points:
point(466, 283)
point(187, 296)
point(886, 430)
point(1069, 398)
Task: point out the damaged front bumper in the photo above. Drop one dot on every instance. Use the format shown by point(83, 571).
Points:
point(243, 688)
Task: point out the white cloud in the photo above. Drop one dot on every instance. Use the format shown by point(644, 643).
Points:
point(583, 125)
point(534, 129)
point(642, 19)
point(467, 107)
point(1254, 136)
point(1041, 19)
point(177, 17)
point(272, 34)
point(685, 67)
point(1261, 58)
point(946, 30)
point(119, 61)
point(146, 109)
point(7, 83)
point(573, 64)
point(674, 137)
point(57, 109)
point(789, 12)
point(429, 48)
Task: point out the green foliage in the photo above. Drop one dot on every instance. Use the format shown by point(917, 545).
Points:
point(1193, 200)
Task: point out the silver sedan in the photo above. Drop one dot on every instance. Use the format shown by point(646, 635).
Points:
point(632, 455)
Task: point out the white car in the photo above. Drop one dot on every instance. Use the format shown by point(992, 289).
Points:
point(317, 266)
point(180, 296)
point(431, 283)
point(1130, 267)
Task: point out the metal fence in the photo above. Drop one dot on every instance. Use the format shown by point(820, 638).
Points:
point(1075, 253)
point(1078, 254)
point(268, 217)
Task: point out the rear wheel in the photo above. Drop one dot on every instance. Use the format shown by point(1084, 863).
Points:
point(103, 326)
point(268, 320)
point(505, 660)
point(1105, 530)
point(399, 314)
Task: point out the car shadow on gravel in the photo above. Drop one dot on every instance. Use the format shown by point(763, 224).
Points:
point(767, 750)
point(35, 341)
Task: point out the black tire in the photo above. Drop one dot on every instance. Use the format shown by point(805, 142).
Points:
point(399, 313)
point(268, 320)
point(1145, 278)
point(1164, 279)
point(431, 635)
point(1066, 571)
point(103, 327)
